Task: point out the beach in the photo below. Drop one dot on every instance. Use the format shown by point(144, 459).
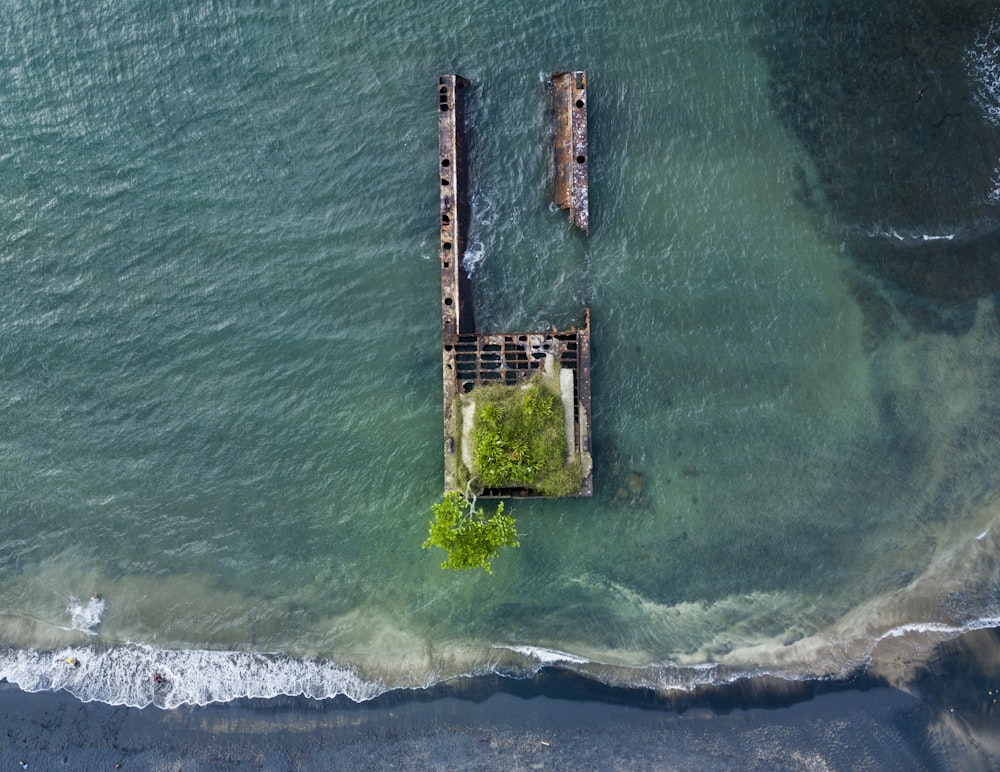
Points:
point(946, 717)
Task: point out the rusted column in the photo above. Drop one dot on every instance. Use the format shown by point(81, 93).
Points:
point(584, 423)
point(569, 107)
point(456, 305)
point(456, 295)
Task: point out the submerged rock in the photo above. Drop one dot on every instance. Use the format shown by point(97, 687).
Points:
point(635, 483)
point(876, 310)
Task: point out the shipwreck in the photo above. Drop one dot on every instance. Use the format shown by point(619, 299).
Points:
point(551, 369)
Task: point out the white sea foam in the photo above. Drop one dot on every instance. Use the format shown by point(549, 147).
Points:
point(893, 233)
point(546, 656)
point(485, 212)
point(983, 61)
point(85, 616)
point(474, 255)
point(659, 677)
point(125, 675)
point(930, 632)
point(994, 194)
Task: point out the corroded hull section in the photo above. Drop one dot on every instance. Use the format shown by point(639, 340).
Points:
point(572, 178)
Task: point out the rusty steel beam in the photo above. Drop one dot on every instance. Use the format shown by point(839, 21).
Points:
point(583, 422)
point(571, 176)
point(456, 294)
point(453, 220)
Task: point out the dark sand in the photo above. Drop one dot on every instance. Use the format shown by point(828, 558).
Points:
point(946, 718)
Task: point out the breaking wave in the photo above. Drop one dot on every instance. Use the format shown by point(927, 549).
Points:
point(897, 626)
point(893, 233)
point(85, 616)
point(142, 676)
point(139, 676)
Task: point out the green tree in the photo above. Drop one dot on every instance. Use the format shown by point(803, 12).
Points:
point(471, 539)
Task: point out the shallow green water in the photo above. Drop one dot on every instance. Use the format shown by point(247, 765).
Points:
point(220, 404)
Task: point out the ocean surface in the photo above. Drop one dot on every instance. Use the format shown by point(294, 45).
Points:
point(220, 395)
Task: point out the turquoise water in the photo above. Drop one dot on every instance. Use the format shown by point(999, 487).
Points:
point(220, 406)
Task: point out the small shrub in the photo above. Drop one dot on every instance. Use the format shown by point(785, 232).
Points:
point(519, 439)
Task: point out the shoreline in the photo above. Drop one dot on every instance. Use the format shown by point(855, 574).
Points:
point(944, 715)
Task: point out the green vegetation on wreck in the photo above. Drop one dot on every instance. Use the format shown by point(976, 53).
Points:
point(518, 439)
point(471, 539)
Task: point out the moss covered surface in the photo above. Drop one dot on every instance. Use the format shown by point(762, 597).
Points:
point(519, 440)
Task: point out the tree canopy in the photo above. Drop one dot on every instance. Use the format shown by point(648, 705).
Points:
point(470, 538)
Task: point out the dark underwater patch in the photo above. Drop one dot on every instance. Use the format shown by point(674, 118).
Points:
point(882, 98)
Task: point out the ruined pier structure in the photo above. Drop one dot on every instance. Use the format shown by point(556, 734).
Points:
point(473, 358)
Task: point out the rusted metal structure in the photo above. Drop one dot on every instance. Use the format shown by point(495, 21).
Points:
point(569, 109)
point(472, 358)
point(456, 288)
